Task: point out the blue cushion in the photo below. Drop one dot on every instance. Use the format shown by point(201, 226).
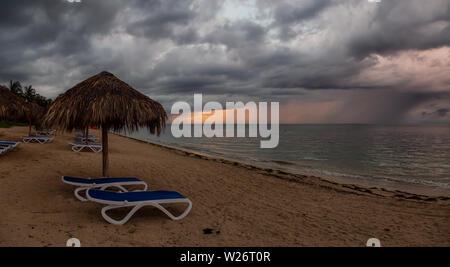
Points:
point(77, 142)
point(8, 142)
point(99, 180)
point(133, 196)
point(82, 136)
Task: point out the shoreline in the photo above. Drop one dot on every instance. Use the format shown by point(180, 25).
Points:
point(397, 188)
point(233, 204)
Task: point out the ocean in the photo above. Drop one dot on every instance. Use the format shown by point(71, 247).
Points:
point(396, 156)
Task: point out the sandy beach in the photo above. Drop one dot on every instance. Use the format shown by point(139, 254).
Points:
point(233, 204)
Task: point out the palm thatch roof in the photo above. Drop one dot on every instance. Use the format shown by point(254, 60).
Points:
point(12, 107)
point(34, 114)
point(107, 102)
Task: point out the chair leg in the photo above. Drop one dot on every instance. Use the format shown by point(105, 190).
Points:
point(96, 149)
point(78, 196)
point(125, 219)
point(77, 148)
point(139, 206)
point(173, 217)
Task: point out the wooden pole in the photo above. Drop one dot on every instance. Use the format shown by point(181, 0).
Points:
point(105, 151)
point(30, 120)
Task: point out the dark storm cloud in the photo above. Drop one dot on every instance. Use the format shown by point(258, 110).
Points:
point(290, 13)
point(236, 35)
point(396, 106)
point(37, 23)
point(160, 18)
point(404, 24)
point(170, 47)
point(386, 106)
point(37, 29)
point(287, 14)
point(442, 112)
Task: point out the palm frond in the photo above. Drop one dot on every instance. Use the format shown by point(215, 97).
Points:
point(12, 107)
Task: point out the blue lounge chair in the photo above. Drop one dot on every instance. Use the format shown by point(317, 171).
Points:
point(78, 146)
point(91, 138)
point(7, 147)
point(137, 200)
point(41, 139)
point(3, 150)
point(46, 132)
point(14, 144)
point(84, 184)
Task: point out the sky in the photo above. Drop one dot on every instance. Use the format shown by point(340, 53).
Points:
point(325, 61)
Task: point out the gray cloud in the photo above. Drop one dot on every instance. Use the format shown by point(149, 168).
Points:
point(279, 51)
point(289, 13)
point(442, 112)
point(162, 18)
point(237, 35)
point(404, 24)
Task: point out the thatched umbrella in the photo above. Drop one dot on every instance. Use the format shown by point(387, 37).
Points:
point(12, 107)
point(105, 102)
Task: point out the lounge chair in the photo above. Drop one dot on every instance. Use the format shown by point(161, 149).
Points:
point(84, 184)
point(45, 132)
point(137, 200)
point(77, 146)
point(82, 137)
point(41, 139)
point(6, 147)
point(3, 150)
point(13, 144)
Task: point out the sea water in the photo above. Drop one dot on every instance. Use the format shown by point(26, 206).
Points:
point(370, 154)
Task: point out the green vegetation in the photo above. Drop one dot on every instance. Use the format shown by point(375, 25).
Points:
point(28, 93)
point(8, 124)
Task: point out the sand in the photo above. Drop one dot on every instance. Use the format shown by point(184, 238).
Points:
point(233, 204)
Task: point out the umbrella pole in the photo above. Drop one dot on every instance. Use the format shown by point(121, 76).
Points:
point(86, 135)
point(105, 151)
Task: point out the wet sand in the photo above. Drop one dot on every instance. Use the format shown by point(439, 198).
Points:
point(234, 204)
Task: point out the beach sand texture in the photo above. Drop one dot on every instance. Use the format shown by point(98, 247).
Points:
point(233, 204)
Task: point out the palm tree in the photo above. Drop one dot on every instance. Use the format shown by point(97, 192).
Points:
point(29, 94)
point(12, 107)
point(42, 101)
point(16, 88)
